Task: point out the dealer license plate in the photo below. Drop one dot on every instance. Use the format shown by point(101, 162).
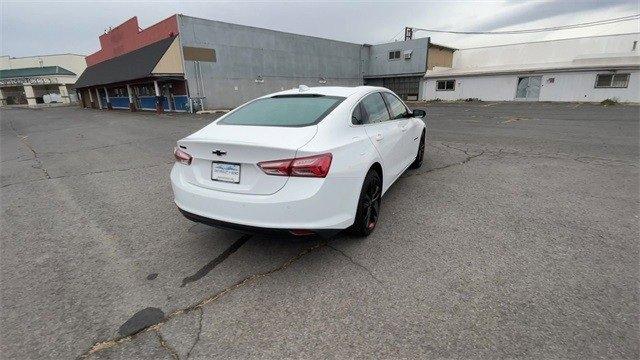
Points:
point(226, 172)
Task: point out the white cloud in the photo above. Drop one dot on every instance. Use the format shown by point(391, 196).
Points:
point(29, 28)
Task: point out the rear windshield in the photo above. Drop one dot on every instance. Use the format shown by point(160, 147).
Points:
point(296, 110)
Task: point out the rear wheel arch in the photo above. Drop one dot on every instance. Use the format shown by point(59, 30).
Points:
point(368, 206)
point(377, 168)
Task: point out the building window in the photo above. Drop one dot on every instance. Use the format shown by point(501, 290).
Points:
point(612, 80)
point(445, 85)
point(145, 90)
point(395, 55)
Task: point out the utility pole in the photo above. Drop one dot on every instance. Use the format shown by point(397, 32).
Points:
point(408, 33)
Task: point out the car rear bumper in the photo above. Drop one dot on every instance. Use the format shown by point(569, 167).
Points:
point(303, 203)
point(255, 230)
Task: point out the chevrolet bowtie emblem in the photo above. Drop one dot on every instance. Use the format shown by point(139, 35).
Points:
point(219, 152)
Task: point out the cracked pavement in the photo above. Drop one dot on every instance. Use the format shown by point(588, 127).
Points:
point(517, 238)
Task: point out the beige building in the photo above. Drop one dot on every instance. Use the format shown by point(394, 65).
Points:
point(40, 79)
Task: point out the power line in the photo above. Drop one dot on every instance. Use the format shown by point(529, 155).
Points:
point(398, 33)
point(529, 31)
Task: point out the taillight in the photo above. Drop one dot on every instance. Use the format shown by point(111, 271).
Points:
point(310, 166)
point(276, 167)
point(182, 157)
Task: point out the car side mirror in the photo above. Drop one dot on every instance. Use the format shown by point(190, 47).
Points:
point(419, 113)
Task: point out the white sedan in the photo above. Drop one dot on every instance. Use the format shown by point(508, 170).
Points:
point(302, 161)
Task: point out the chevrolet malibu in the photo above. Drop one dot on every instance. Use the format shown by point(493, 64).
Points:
point(302, 161)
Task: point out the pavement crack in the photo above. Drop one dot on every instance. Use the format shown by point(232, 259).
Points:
point(465, 151)
point(103, 345)
point(36, 158)
point(133, 142)
point(165, 345)
point(251, 278)
point(366, 269)
point(470, 156)
point(217, 261)
point(40, 165)
point(584, 159)
point(86, 174)
point(198, 334)
point(110, 171)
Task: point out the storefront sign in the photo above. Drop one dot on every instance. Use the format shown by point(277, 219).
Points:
point(29, 81)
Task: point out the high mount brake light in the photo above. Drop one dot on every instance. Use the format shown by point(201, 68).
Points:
point(309, 166)
point(182, 157)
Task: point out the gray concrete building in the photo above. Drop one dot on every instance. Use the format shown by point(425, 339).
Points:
point(250, 62)
point(218, 65)
point(398, 66)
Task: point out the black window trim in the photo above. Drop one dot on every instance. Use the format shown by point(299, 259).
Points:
point(389, 105)
point(613, 74)
point(386, 105)
point(357, 107)
point(394, 58)
point(359, 102)
point(316, 122)
point(363, 110)
point(445, 84)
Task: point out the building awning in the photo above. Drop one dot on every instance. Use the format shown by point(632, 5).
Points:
point(134, 65)
point(34, 71)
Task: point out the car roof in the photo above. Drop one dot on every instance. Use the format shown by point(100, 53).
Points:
point(342, 91)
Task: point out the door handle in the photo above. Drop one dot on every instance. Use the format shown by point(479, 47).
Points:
point(404, 127)
point(378, 137)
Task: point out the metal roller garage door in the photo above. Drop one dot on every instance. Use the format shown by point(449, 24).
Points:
point(406, 87)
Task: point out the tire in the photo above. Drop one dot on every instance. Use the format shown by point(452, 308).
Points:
point(368, 211)
point(420, 155)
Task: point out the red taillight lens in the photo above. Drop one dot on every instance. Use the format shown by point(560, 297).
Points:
point(182, 157)
point(310, 166)
point(276, 167)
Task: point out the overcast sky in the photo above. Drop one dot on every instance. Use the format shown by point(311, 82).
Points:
point(49, 27)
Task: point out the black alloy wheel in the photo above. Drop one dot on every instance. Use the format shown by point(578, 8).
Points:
point(368, 211)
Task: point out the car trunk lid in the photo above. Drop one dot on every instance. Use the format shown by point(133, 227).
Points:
point(229, 148)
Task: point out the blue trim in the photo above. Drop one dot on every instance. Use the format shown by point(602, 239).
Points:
point(165, 103)
point(181, 102)
point(119, 102)
point(147, 102)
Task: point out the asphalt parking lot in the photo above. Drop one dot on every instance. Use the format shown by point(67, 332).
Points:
point(518, 238)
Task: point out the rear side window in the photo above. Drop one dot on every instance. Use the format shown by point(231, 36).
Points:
point(396, 107)
point(356, 116)
point(373, 109)
point(294, 110)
